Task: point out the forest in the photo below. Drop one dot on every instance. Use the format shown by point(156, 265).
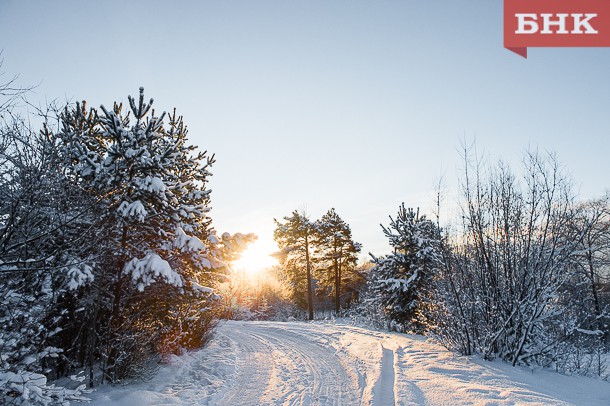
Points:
point(109, 260)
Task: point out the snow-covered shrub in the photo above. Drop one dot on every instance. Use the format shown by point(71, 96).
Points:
point(43, 261)
point(286, 311)
point(583, 327)
point(502, 290)
point(587, 357)
point(265, 296)
point(368, 313)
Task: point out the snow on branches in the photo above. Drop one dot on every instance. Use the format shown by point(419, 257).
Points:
point(106, 242)
point(399, 281)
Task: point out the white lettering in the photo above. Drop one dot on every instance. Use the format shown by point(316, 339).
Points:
point(560, 23)
point(555, 23)
point(526, 26)
point(579, 23)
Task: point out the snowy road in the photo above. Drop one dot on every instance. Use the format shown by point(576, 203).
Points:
point(286, 367)
point(268, 363)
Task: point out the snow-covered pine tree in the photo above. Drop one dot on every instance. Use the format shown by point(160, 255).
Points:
point(337, 255)
point(157, 248)
point(295, 237)
point(399, 281)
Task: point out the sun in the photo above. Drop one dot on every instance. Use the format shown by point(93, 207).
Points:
point(257, 257)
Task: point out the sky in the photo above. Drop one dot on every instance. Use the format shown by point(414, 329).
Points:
point(309, 105)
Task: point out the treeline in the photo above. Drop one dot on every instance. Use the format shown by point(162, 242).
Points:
point(107, 253)
point(520, 273)
point(523, 276)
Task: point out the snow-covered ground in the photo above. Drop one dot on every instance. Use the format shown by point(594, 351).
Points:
point(270, 363)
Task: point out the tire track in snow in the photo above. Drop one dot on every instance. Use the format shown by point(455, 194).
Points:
point(252, 374)
point(294, 375)
point(271, 363)
point(299, 371)
point(329, 382)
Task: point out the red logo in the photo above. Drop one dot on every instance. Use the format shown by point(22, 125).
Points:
point(556, 23)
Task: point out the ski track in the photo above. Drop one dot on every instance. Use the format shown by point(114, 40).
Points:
point(311, 364)
point(383, 392)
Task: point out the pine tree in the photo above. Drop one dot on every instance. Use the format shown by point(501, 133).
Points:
point(399, 281)
point(337, 253)
point(295, 239)
point(107, 254)
point(152, 228)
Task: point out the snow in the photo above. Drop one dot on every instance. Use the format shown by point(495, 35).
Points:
point(148, 269)
point(272, 363)
point(79, 275)
point(201, 289)
point(135, 209)
point(152, 184)
point(157, 185)
point(33, 389)
point(185, 242)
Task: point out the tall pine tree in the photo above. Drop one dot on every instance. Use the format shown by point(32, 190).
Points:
point(295, 238)
point(337, 253)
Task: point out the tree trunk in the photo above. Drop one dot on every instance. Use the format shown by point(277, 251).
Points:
point(309, 287)
point(116, 310)
point(337, 287)
point(597, 307)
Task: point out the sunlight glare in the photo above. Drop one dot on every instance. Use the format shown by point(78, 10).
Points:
point(257, 257)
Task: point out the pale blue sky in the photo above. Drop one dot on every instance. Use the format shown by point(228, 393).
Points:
point(357, 105)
